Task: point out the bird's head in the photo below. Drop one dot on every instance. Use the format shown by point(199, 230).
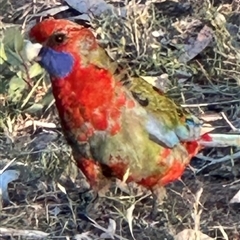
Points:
point(63, 35)
point(58, 44)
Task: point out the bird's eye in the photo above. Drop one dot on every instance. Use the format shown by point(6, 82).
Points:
point(59, 38)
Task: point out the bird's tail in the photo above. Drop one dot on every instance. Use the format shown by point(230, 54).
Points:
point(220, 140)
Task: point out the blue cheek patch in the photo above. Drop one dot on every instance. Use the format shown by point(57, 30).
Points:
point(57, 64)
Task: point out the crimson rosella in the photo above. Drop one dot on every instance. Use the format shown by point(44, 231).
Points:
point(117, 126)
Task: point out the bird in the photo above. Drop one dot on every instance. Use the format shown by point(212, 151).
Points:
point(118, 126)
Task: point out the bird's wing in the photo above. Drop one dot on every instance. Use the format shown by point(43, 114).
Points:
point(167, 122)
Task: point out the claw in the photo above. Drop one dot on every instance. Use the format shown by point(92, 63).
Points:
point(87, 197)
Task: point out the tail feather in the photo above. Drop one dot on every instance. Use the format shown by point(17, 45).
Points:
point(220, 140)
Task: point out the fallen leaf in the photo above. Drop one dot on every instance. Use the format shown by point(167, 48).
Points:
point(129, 217)
point(112, 225)
point(110, 230)
point(83, 236)
point(190, 234)
point(5, 178)
point(55, 211)
point(93, 8)
point(89, 6)
point(26, 234)
point(236, 198)
point(203, 39)
point(161, 82)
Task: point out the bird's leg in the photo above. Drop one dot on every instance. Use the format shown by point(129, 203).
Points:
point(158, 194)
point(154, 210)
point(87, 198)
point(91, 198)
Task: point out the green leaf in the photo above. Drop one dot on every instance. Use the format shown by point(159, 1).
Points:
point(3, 56)
point(13, 58)
point(16, 87)
point(35, 70)
point(34, 108)
point(48, 99)
point(13, 39)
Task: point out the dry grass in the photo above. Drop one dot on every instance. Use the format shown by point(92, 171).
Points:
point(49, 197)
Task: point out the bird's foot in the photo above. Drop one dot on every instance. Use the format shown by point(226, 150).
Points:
point(87, 198)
